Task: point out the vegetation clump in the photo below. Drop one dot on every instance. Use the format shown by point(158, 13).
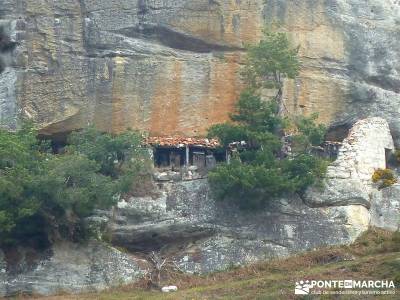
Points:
point(384, 178)
point(44, 196)
point(260, 171)
point(270, 61)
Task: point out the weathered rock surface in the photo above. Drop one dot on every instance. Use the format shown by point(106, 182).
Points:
point(68, 268)
point(348, 180)
point(170, 67)
point(186, 225)
point(202, 235)
point(385, 208)
point(351, 65)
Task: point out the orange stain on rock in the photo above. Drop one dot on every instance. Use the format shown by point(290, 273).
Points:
point(188, 107)
point(224, 90)
point(166, 102)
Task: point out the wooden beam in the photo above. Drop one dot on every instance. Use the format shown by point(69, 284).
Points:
point(228, 157)
point(187, 156)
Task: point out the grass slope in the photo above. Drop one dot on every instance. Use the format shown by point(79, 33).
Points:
point(374, 256)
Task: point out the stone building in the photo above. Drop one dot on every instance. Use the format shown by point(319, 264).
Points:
point(178, 152)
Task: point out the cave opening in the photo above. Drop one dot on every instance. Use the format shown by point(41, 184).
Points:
point(175, 158)
point(6, 45)
point(176, 40)
point(337, 133)
point(391, 161)
point(165, 157)
point(58, 141)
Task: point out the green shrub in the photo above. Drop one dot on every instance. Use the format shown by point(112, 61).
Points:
point(310, 133)
point(115, 153)
point(260, 172)
point(270, 60)
point(45, 196)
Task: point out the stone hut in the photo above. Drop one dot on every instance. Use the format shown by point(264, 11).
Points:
point(175, 153)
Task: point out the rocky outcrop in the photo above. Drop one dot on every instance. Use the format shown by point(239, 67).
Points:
point(201, 235)
point(171, 67)
point(351, 65)
point(67, 268)
point(348, 180)
point(164, 66)
point(184, 224)
point(385, 208)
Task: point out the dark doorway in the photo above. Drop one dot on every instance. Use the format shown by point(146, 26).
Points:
point(169, 157)
point(388, 158)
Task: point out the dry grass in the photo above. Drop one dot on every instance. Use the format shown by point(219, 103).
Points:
point(375, 255)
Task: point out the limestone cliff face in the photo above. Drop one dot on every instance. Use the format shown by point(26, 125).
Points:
point(171, 67)
point(162, 66)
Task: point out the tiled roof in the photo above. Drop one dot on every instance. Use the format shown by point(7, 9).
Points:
point(180, 142)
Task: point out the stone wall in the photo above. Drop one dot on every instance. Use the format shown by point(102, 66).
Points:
point(385, 208)
point(348, 179)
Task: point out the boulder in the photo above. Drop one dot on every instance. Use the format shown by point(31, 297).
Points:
point(338, 192)
point(168, 289)
point(201, 235)
point(69, 268)
point(161, 176)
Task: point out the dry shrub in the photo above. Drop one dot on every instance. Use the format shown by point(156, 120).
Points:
point(384, 178)
point(376, 240)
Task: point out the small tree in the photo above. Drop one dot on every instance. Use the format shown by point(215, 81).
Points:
point(260, 172)
point(270, 61)
point(21, 167)
point(121, 157)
